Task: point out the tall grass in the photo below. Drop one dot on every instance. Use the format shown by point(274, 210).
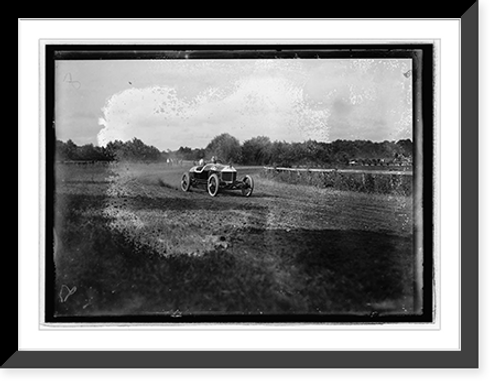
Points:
point(366, 182)
point(117, 275)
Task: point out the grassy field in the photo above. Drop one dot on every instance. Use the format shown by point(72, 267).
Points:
point(130, 242)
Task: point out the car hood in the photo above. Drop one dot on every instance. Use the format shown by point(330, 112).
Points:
point(214, 167)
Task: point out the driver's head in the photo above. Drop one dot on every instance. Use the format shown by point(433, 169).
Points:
point(214, 159)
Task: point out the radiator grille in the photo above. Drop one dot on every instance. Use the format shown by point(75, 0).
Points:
point(228, 176)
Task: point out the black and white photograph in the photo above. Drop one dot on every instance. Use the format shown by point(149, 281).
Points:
point(239, 183)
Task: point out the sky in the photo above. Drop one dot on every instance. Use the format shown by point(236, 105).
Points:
point(174, 103)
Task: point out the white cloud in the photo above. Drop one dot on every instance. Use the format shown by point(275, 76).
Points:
point(255, 106)
point(284, 100)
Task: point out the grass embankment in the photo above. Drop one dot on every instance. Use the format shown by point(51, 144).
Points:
point(360, 181)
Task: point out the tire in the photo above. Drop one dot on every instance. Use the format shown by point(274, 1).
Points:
point(185, 182)
point(213, 185)
point(248, 189)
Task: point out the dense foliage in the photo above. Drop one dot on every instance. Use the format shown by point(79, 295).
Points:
point(133, 150)
point(258, 150)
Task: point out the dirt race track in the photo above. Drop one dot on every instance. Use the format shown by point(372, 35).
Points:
point(286, 249)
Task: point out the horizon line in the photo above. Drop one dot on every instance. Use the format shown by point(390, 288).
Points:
point(290, 142)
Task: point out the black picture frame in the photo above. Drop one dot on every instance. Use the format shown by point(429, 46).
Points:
point(466, 357)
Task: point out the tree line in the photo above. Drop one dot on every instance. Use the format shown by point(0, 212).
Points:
point(261, 150)
point(132, 150)
point(258, 150)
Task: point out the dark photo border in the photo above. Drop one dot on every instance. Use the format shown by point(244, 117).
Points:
point(422, 57)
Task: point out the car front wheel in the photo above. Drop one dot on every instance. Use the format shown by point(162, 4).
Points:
point(213, 185)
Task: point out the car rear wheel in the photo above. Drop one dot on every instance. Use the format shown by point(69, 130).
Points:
point(213, 185)
point(185, 182)
point(248, 188)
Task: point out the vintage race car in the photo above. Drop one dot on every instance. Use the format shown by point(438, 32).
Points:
point(216, 177)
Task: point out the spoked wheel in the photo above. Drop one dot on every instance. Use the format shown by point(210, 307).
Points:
point(185, 182)
point(248, 188)
point(213, 185)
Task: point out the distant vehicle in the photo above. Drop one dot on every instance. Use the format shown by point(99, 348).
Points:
point(216, 177)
